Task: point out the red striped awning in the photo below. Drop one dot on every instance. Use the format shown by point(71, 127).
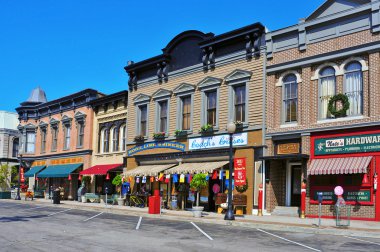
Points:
point(100, 169)
point(347, 165)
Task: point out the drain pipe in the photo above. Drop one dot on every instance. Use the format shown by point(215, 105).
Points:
point(263, 130)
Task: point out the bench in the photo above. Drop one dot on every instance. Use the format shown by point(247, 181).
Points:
point(38, 194)
point(92, 197)
point(112, 199)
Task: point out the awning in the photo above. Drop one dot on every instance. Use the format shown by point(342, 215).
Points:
point(347, 165)
point(205, 167)
point(147, 170)
point(33, 170)
point(58, 171)
point(100, 169)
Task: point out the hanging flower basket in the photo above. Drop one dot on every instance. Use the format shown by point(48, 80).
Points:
point(333, 108)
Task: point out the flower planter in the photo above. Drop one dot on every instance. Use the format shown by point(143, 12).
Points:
point(120, 201)
point(159, 138)
point(208, 131)
point(197, 211)
point(83, 199)
point(181, 134)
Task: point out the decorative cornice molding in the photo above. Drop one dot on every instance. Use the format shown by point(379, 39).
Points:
point(161, 93)
point(209, 82)
point(238, 75)
point(141, 98)
point(184, 87)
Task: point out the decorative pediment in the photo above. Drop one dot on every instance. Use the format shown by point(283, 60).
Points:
point(160, 93)
point(79, 115)
point(53, 121)
point(42, 124)
point(184, 87)
point(237, 75)
point(141, 98)
point(331, 7)
point(66, 119)
point(209, 82)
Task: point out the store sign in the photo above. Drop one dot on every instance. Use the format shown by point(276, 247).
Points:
point(358, 196)
point(347, 144)
point(62, 161)
point(157, 145)
point(220, 141)
point(22, 177)
point(240, 171)
point(288, 148)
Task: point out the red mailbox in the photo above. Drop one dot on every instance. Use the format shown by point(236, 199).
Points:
point(154, 205)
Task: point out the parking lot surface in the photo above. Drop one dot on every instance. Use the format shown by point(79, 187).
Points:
point(34, 227)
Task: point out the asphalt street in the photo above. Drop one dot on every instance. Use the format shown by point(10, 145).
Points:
point(31, 227)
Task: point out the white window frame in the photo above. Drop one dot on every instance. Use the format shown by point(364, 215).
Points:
point(209, 84)
point(158, 115)
point(138, 121)
point(283, 100)
point(362, 84)
point(320, 77)
point(122, 137)
point(182, 91)
point(32, 144)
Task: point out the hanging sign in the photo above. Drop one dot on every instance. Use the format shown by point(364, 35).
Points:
point(288, 148)
point(157, 145)
point(219, 141)
point(347, 144)
point(22, 177)
point(240, 171)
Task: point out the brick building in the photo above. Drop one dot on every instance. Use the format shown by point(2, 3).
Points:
point(334, 51)
point(56, 139)
point(200, 80)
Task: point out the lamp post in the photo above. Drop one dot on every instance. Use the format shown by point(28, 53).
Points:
point(231, 127)
point(18, 197)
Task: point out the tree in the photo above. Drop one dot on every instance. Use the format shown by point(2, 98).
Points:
point(5, 180)
point(198, 183)
point(117, 181)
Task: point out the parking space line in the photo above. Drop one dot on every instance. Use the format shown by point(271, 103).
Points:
point(93, 216)
point(139, 223)
point(203, 232)
point(354, 238)
point(282, 238)
point(60, 212)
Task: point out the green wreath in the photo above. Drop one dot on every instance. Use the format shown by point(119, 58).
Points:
point(332, 107)
point(242, 188)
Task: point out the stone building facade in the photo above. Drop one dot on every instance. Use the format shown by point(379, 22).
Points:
point(336, 50)
point(57, 139)
point(200, 80)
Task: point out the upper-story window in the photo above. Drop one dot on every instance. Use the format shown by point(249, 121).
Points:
point(30, 142)
point(80, 131)
point(123, 135)
point(186, 112)
point(115, 139)
point(43, 139)
point(211, 98)
point(163, 116)
point(239, 103)
point(143, 120)
point(290, 98)
point(327, 83)
point(104, 140)
point(353, 87)
point(66, 137)
point(54, 134)
point(15, 147)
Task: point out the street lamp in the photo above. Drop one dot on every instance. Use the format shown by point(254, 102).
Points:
point(231, 127)
point(18, 197)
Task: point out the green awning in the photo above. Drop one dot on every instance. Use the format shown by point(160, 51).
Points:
point(34, 170)
point(58, 171)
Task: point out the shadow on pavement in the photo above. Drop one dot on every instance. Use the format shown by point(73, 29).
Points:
point(21, 218)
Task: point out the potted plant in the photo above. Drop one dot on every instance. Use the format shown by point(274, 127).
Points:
point(159, 136)
point(117, 181)
point(139, 138)
point(239, 125)
point(197, 184)
point(85, 181)
point(180, 133)
point(206, 129)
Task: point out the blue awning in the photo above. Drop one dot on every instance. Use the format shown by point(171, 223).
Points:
point(34, 170)
point(58, 171)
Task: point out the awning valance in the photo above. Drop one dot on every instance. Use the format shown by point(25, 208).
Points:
point(34, 170)
point(347, 165)
point(58, 171)
point(205, 167)
point(147, 170)
point(100, 169)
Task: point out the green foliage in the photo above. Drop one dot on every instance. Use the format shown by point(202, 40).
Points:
point(5, 172)
point(243, 188)
point(117, 181)
point(332, 105)
point(85, 180)
point(206, 127)
point(198, 182)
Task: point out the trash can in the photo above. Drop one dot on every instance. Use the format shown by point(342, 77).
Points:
point(154, 205)
point(56, 197)
point(343, 215)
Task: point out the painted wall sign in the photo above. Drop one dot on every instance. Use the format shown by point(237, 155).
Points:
point(357, 196)
point(288, 148)
point(157, 145)
point(347, 144)
point(220, 141)
point(240, 171)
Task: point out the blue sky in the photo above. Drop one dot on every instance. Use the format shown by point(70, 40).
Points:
point(67, 46)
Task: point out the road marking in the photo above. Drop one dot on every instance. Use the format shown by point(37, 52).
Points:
point(282, 238)
point(203, 232)
point(60, 212)
point(93, 216)
point(139, 223)
point(34, 208)
point(361, 240)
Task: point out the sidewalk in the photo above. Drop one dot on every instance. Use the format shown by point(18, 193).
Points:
point(268, 222)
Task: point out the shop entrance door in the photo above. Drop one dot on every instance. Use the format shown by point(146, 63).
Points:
point(293, 184)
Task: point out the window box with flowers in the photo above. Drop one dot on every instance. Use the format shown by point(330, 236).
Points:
point(139, 139)
point(206, 129)
point(239, 125)
point(159, 136)
point(181, 133)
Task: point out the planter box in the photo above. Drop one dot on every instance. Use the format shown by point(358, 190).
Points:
point(239, 200)
point(159, 138)
point(181, 134)
point(5, 195)
point(207, 132)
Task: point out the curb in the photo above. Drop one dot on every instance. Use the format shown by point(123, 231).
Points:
point(298, 228)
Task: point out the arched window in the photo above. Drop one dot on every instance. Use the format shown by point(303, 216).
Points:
point(353, 87)
point(104, 140)
point(15, 147)
point(326, 90)
point(123, 138)
point(290, 98)
point(115, 138)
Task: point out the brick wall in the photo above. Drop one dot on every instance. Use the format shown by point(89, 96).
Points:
point(275, 189)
